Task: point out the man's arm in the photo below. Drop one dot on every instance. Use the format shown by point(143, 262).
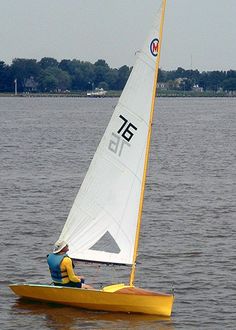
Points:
point(67, 262)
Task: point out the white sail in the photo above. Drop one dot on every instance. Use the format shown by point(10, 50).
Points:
point(102, 223)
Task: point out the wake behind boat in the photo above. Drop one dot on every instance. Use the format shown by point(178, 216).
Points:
point(108, 208)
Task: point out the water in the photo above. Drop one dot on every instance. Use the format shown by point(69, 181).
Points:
point(188, 229)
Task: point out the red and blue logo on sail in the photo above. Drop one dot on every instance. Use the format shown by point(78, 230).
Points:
point(154, 46)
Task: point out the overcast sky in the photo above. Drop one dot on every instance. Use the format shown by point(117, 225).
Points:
point(198, 34)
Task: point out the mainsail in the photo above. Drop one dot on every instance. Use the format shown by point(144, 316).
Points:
point(102, 223)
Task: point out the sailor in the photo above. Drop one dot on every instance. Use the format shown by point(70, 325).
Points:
point(61, 268)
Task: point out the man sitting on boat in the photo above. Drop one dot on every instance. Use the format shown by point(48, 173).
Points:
point(61, 268)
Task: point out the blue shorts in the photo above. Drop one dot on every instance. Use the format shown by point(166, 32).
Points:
point(71, 284)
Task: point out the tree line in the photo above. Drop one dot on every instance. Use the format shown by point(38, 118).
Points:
point(207, 81)
point(49, 75)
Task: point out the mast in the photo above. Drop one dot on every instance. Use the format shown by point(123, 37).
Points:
point(132, 274)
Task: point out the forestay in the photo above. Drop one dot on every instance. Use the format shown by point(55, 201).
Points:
point(102, 223)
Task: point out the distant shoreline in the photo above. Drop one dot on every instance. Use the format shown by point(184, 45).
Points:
point(161, 93)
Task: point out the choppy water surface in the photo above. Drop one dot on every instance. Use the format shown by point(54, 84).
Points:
point(189, 222)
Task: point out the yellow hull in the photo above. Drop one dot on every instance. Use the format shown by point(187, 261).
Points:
point(115, 298)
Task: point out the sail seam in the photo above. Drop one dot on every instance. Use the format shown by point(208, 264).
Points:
point(109, 215)
point(140, 58)
point(134, 114)
point(117, 161)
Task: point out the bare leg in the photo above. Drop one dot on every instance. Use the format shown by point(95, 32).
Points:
point(86, 286)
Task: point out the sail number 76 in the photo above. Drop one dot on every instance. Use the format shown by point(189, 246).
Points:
point(125, 129)
point(116, 143)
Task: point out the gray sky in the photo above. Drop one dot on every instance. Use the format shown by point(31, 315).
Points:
point(198, 34)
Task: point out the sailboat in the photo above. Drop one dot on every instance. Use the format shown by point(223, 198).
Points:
point(104, 223)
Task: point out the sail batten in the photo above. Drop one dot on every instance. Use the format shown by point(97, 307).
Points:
point(109, 198)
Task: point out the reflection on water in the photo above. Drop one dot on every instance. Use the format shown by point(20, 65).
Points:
point(67, 318)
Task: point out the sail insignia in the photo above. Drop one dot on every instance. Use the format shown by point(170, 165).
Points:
point(106, 244)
